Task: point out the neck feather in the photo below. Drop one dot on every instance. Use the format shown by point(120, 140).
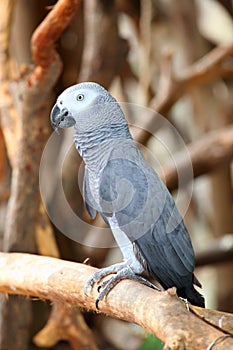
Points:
point(94, 145)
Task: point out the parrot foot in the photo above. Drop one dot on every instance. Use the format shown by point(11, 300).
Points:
point(122, 271)
point(100, 274)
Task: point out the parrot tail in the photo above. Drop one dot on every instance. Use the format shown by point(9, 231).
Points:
point(192, 295)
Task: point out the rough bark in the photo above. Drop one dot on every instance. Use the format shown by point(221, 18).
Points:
point(160, 313)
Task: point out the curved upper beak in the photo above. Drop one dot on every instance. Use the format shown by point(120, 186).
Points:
point(54, 117)
point(61, 118)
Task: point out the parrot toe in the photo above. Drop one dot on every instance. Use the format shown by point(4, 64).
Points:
point(122, 271)
point(100, 274)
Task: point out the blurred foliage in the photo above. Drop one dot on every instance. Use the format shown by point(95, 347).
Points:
point(151, 343)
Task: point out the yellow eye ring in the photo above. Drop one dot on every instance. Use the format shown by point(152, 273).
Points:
point(80, 97)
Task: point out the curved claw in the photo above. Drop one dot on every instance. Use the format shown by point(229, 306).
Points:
point(97, 303)
point(125, 273)
point(100, 274)
point(88, 284)
point(121, 271)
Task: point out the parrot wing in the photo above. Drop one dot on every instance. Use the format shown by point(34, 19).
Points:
point(146, 213)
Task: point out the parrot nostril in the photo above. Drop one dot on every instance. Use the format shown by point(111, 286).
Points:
point(63, 115)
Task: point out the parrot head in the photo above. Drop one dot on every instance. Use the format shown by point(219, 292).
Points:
point(86, 106)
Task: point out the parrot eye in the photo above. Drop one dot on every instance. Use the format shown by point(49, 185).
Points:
point(80, 97)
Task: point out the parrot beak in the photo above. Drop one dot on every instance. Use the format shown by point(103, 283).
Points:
point(61, 118)
point(54, 118)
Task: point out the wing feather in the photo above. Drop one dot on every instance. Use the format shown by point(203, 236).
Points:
point(146, 212)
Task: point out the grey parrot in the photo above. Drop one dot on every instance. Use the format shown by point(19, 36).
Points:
point(133, 201)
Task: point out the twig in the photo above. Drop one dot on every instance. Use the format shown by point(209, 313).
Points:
point(160, 313)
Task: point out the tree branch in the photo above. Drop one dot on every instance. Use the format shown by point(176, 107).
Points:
point(160, 313)
point(207, 68)
point(66, 323)
point(206, 154)
point(47, 33)
point(171, 87)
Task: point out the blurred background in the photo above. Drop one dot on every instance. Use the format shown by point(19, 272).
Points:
point(171, 57)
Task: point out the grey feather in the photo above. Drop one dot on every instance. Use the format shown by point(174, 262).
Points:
point(89, 201)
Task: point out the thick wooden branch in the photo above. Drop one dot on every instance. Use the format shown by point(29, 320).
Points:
point(160, 313)
point(46, 35)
